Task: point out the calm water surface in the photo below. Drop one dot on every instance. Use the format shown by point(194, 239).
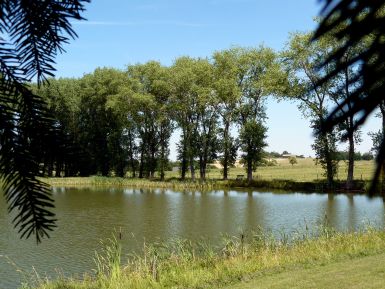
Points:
point(88, 215)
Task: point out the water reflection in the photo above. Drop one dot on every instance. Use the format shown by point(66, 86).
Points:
point(88, 215)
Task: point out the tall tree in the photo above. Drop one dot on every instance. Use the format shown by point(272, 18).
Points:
point(207, 117)
point(353, 22)
point(255, 69)
point(122, 137)
point(340, 89)
point(228, 94)
point(155, 125)
point(193, 110)
point(101, 129)
point(302, 60)
point(63, 100)
point(342, 92)
point(252, 140)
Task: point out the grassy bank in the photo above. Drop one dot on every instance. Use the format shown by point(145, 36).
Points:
point(304, 176)
point(184, 264)
point(276, 184)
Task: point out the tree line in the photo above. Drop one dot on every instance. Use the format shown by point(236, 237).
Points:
point(121, 120)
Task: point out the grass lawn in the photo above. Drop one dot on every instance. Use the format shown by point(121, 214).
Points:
point(365, 272)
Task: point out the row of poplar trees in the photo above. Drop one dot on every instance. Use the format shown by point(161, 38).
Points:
point(119, 121)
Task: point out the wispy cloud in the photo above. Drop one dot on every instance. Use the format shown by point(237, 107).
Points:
point(146, 7)
point(142, 23)
point(221, 2)
point(103, 23)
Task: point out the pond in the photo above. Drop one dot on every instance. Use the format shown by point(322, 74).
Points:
point(86, 216)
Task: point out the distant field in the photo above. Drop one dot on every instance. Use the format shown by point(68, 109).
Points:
point(305, 170)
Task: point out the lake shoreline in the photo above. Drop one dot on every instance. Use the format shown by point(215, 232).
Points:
point(360, 187)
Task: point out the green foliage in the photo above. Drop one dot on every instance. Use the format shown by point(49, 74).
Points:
point(151, 114)
point(194, 109)
point(325, 147)
point(121, 121)
point(344, 23)
point(293, 160)
point(28, 133)
point(376, 140)
point(358, 156)
point(252, 142)
point(243, 78)
point(273, 154)
point(302, 59)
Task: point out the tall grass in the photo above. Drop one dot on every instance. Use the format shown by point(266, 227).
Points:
point(207, 185)
point(108, 261)
point(187, 264)
point(135, 183)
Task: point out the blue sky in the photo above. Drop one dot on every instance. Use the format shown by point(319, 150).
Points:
point(120, 32)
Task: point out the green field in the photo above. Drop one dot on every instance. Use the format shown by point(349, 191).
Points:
point(305, 170)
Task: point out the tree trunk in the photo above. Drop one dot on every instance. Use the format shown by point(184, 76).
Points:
point(153, 164)
point(162, 164)
point(120, 172)
point(329, 174)
point(50, 168)
point(183, 162)
point(202, 174)
point(183, 168)
point(192, 169)
point(58, 169)
point(141, 165)
point(226, 151)
point(329, 165)
point(202, 168)
point(162, 160)
point(249, 170)
point(131, 154)
point(133, 166)
point(105, 162)
point(382, 109)
point(162, 175)
point(349, 181)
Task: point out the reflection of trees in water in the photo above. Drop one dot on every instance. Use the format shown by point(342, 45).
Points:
point(156, 213)
point(187, 214)
point(344, 213)
point(215, 213)
point(329, 209)
point(341, 216)
point(244, 212)
point(254, 212)
point(352, 222)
